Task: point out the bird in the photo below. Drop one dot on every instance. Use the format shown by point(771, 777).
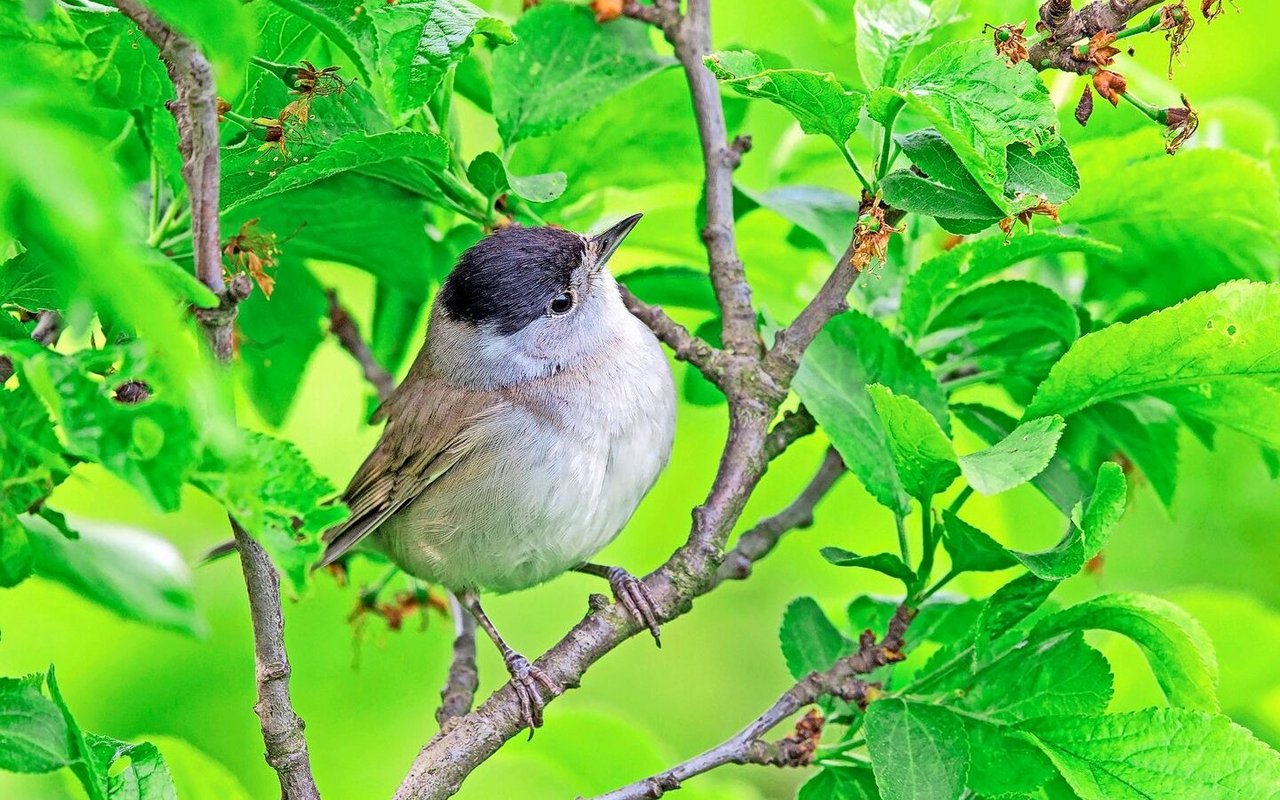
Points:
point(535, 417)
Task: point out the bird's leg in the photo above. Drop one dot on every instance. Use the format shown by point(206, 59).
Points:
point(525, 677)
point(631, 592)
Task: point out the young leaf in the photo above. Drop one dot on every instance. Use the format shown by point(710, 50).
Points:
point(33, 735)
point(1178, 650)
point(1010, 605)
point(83, 764)
point(1106, 506)
point(1213, 356)
point(888, 30)
point(136, 575)
point(930, 288)
point(850, 353)
point(1015, 459)
point(810, 643)
point(269, 488)
point(885, 563)
point(131, 771)
point(816, 99)
point(918, 751)
point(970, 549)
point(981, 106)
point(1157, 752)
point(488, 174)
point(563, 65)
point(923, 454)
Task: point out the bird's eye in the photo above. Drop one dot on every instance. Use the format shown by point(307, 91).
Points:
point(561, 303)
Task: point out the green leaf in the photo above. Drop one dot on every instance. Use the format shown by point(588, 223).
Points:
point(817, 100)
point(1010, 605)
point(134, 574)
point(25, 282)
point(1106, 506)
point(488, 174)
point(127, 72)
point(840, 783)
point(930, 288)
point(563, 65)
point(1015, 459)
point(83, 764)
point(923, 454)
point(195, 774)
point(152, 445)
point(351, 151)
point(1146, 430)
point(885, 563)
point(1186, 224)
point(695, 388)
point(33, 735)
point(888, 30)
point(970, 549)
point(1048, 173)
point(850, 353)
point(684, 287)
point(420, 40)
point(918, 751)
point(827, 214)
point(17, 562)
point(351, 30)
point(1177, 649)
point(131, 771)
point(31, 458)
point(810, 643)
point(981, 106)
point(1213, 356)
point(1157, 752)
point(274, 494)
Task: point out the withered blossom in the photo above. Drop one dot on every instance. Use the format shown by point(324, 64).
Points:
point(1042, 209)
point(1212, 9)
point(1110, 85)
point(254, 251)
point(1180, 125)
point(871, 235)
point(1176, 21)
point(1010, 42)
point(1101, 51)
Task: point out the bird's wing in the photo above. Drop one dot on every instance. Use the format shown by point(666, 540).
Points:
point(426, 434)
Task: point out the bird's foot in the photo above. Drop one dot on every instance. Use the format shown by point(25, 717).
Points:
point(529, 680)
point(634, 596)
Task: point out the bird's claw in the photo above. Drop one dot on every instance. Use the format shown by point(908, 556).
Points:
point(528, 681)
point(634, 596)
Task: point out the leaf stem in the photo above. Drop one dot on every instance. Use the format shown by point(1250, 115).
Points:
point(928, 545)
point(886, 147)
point(943, 581)
point(904, 546)
point(1156, 115)
point(960, 500)
point(161, 227)
point(153, 215)
point(857, 170)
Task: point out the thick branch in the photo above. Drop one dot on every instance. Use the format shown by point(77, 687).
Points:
point(1102, 15)
point(460, 687)
point(342, 326)
point(195, 110)
point(748, 746)
point(683, 344)
point(758, 542)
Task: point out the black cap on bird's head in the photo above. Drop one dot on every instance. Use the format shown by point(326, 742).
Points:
point(518, 274)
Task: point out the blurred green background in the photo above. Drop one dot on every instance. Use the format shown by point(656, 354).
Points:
point(368, 695)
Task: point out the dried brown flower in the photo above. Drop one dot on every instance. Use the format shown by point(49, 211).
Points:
point(223, 107)
point(1101, 51)
point(1110, 85)
point(1042, 209)
point(254, 252)
point(1176, 21)
point(1180, 125)
point(1010, 42)
point(1084, 108)
point(1212, 9)
point(871, 235)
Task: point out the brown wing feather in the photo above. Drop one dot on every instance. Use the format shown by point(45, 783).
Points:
point(431, 425)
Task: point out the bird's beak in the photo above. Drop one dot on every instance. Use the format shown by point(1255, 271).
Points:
point(608, 242)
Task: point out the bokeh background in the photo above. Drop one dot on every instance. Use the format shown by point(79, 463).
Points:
point(368, 695)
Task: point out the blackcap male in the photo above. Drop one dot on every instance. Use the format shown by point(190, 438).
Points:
point(534, 419)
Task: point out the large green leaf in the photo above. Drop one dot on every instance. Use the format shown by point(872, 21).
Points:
point(817, 100)
point(888, 30)
point(563, 65)
point(126, 72)
point(1157, 752)
point(1009, 606)
point(270, 489)
point(918, 751)
point(930, 288)
point(491, 176)
point(981, 107)
point(810, 643)
point(33, 735)
point(827, 214)
point(1177, 648)
point(1213, 356)
point(922, 453)
point(850, 353)
point(134, 574)
point(1015, 459)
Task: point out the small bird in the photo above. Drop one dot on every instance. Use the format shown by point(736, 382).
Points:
point(534, 419)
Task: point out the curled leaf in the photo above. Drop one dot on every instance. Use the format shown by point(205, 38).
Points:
point(1110, 85)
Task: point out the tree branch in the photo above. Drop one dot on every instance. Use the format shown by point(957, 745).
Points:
point(195, 110)
point(683, 344)
point(747, 746)
point(343, 327)
point(783, 359)
point(47, 331)
point(1055, 52)
point(460, 687)
point(758, 542)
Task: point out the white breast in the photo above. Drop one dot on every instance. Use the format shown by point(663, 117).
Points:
point(555, 481)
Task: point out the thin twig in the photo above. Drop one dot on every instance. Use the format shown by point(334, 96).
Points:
point(748, 747)
point(342, 326)
point(683, 344)
point(460, 687)
point(758, 542)
point(195, 110)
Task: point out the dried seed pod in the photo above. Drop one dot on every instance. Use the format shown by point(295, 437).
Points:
point(1084, 108)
